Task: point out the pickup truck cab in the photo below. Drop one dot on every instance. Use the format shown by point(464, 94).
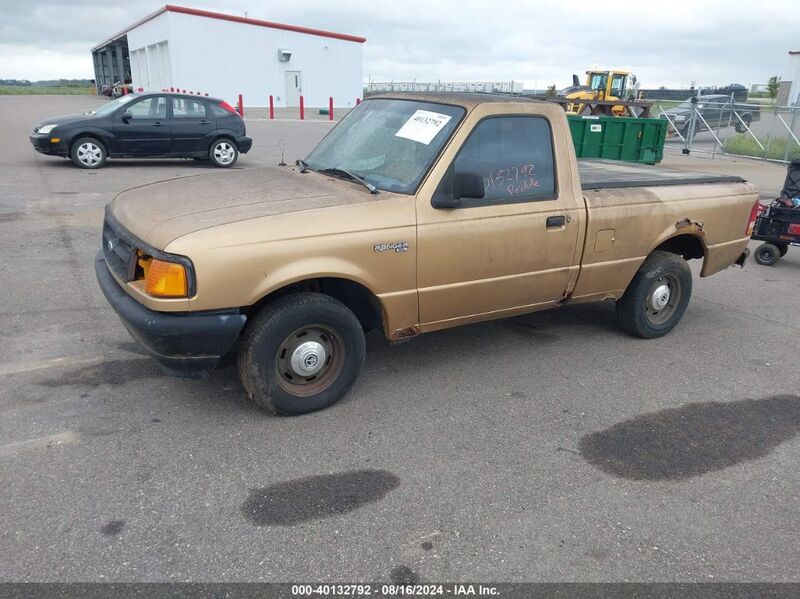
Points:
point(415, 213)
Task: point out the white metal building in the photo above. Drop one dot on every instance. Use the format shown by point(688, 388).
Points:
point(789, 92)
point(226, 55)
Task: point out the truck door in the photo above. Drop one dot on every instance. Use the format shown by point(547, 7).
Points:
point(515, 249)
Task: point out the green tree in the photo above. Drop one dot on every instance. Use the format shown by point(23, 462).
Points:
point(773, 85)
point(551, 91)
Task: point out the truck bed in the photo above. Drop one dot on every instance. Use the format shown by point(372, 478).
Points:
point(606, 174)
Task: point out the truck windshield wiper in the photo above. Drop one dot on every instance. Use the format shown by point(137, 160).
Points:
point(351, 176)
point(303, 165)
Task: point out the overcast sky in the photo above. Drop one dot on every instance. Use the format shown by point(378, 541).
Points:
point(665, 42)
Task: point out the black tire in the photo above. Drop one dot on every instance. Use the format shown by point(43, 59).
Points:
point(767, 254)
point(283, 332)
point(782, 248)
point(88, 152)
point(223, 152)
point(740, 128)
point(657, 297)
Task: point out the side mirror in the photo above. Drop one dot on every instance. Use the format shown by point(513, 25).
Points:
point(468, 185)
point(126, 116)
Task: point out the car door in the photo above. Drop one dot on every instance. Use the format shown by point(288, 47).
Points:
point(141, 128)
point(515, 249)
point(191, 126)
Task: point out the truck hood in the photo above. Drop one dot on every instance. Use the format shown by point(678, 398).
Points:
point(159, 213)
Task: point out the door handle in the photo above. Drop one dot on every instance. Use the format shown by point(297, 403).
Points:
point(555, 222)
point(156, 124)
point(204, 122)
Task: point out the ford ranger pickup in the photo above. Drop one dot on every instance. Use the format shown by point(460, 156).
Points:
point(415, 213)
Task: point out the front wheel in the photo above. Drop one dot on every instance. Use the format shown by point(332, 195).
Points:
point(302, 353)
point(87, 152)
point(223, 153)
point(657, 297)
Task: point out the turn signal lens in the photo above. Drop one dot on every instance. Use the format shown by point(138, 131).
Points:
point(166, 279)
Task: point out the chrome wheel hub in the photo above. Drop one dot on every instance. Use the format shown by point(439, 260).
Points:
point(308, 358)
point(89, 154)
point(659, 299)
point(224, 153)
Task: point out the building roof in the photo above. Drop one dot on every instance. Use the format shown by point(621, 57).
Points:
point(235, 19)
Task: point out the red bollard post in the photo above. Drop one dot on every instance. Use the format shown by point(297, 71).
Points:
point(241, 106)
point(302, 109)
point(271, 108)
point(358, 101)
point(330, 108)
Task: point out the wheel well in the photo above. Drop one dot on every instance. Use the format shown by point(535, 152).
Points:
point(92, 135)
point(222, 136)
point(688, 246)
point(360, 300)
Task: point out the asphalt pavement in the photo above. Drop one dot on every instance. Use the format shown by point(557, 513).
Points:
point(549, 447)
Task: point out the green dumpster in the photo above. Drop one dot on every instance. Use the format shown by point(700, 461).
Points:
point(618, 138)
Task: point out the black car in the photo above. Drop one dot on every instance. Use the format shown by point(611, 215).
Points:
point(162, 125)
point(717, 110)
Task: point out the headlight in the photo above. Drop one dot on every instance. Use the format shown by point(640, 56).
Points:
point(46, 129)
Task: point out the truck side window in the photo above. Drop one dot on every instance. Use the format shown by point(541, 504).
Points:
point(514, 155)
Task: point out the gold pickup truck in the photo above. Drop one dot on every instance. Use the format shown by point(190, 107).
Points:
point(415, 213)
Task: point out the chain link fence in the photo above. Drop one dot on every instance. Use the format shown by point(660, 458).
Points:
point(721, 125)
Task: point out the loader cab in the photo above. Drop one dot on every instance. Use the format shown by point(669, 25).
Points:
point(608, 84)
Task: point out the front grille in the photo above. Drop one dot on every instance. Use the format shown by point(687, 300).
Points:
point(119, 254)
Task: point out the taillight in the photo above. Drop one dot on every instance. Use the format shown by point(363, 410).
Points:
point(756, 210)
point(228, 107)
point(794, 229)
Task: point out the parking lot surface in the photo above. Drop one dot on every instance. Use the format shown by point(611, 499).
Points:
point(550, 447)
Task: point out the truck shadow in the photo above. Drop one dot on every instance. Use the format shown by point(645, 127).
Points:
point(692, 440)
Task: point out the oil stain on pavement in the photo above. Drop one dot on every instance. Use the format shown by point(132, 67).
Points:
point(694, 439)
point(113, 528)
point(403, 575)
point(294, 501)
point(110, 372)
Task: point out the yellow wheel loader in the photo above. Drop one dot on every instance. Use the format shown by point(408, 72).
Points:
point(600, 85)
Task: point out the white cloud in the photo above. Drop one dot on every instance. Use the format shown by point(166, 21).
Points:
point(542, 42)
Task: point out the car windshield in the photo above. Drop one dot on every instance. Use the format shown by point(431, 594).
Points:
point(389, 143)
point(110, 107)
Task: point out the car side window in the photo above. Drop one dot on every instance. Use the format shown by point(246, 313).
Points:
point(154, 107)
point(186, 108)
point(514, 156)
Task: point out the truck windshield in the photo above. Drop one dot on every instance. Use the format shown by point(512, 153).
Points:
point(387, 142)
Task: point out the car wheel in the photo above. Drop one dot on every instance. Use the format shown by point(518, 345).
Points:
point(740, 128)
point(223, 153)
point(782, 248)
point(302, 353)
point(88, 152)
point(657, 297)
point(767, 254)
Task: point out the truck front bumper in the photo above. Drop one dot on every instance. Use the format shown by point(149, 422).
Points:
point(185, 345)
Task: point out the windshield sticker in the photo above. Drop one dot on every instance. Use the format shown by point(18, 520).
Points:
point(423, 126)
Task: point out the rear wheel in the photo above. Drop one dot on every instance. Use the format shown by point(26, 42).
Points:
point(223, 153)
point(782, 248)
point(657, 297)
point(767, 254)
point(302, 353)
point(88, 152)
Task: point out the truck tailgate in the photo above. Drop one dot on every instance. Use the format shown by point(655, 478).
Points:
point(606, 174)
